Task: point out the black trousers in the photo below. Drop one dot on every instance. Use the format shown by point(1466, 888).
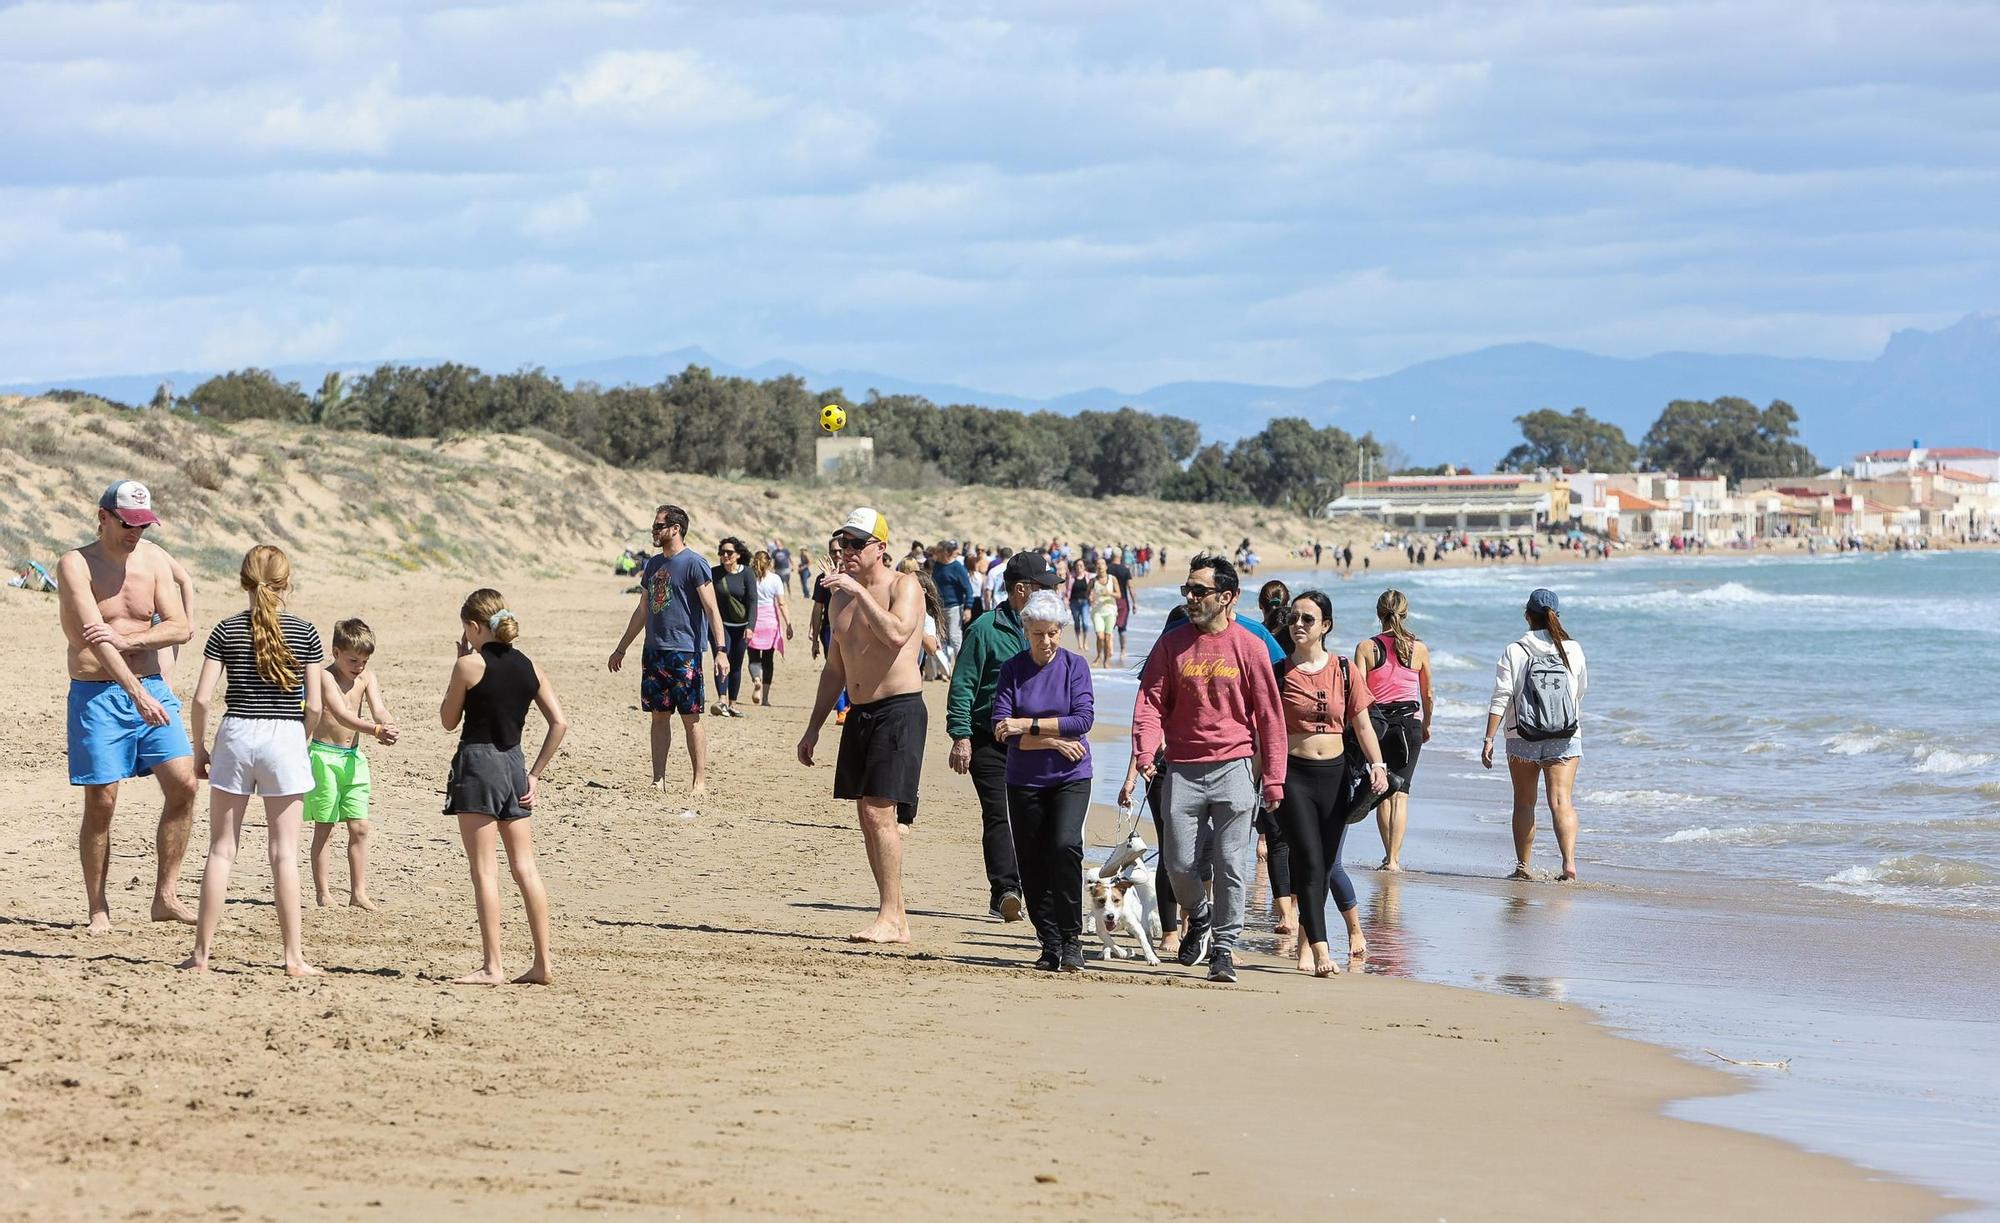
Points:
point(1048, 837)
point(1315, 829)
point(736, 639)
point(996, 839)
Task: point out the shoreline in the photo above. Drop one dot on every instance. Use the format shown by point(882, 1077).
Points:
point(713, 1046)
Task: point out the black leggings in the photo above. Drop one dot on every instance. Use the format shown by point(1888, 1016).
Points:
point(1277, 853)
point(737, 639)
point(1048, 847)
point(765, 661)
point(1314, 829)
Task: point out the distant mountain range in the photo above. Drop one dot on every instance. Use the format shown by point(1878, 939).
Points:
point(1937, 387)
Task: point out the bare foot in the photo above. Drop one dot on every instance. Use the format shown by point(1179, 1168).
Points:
point(324, 899)
point(359, 901)
point(1390, 868)
point(538, 975)
point(193, 964)
point(100, 923)
point(485, 976)
point(1305, 958)
point(1170, 943)
point(698, 791)
point(302, 969)
point(882, 930)
point(1284, 927)
point(1568, 875)
point(1521, 871)
point(1357, 949)
point(167, 908)
point(1324, 965)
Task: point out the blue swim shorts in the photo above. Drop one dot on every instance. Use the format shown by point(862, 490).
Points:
point(109, 741)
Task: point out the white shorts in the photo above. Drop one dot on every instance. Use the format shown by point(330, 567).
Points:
point(264, 756)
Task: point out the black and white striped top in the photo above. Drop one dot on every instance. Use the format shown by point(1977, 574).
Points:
point(249, 696)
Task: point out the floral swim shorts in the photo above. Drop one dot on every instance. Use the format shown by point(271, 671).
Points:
point(670, 682)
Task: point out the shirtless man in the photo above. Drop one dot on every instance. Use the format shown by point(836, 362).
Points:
point(121, 608)
point(876, 614)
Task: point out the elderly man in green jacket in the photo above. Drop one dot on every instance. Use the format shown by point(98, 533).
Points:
point(991, 640)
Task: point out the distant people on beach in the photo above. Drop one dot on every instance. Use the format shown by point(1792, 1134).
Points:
point(272, 660)
point(1104, 600)
point(874, 614)
point(352, 706)
point(1043, 708)
point(676, 614)
point(492, 791)
point(1538, 690)
point(1323, 700)
point(1397, 667)
point(773, 627)
point(1207, 693)
point(122, 612)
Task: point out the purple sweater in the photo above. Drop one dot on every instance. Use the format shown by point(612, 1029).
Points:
point(1060, 695)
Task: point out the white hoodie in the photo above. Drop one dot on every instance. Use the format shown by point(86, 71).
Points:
point(1514, 665)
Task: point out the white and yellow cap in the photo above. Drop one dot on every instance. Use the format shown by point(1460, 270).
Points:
point(865, 523)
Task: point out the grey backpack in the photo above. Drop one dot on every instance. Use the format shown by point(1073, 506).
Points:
point(1545, 702)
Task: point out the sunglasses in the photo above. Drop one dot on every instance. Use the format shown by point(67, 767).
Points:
point(133, 526)
point(1195, 590)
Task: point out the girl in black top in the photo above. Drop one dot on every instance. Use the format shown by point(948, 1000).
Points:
point(736, 603)
point(490, 790)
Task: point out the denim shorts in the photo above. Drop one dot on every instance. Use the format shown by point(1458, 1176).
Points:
point(1545, 751)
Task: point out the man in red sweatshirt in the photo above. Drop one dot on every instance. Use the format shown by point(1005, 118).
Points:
point(1208, 690)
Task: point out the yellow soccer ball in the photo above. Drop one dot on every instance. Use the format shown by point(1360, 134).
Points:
point(833, 418)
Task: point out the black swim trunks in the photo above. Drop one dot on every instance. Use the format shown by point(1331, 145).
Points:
point(882, 752)
point(1399, 728)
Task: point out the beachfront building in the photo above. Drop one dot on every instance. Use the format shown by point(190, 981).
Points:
point(1501, 504)
point(1977, 461)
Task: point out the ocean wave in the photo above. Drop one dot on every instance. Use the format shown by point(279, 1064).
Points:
point(1728, 594)
point(1458, 710)
point(1442, 660)
point(1944, 760)
point(1862, 741)
point(1724, 836)
point(1644, 798)
point(1762, 747)
point(1915, 871)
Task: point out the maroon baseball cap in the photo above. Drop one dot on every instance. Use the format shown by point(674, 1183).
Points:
point(131, 501)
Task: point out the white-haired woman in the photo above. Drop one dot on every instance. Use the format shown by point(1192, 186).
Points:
point(1042, 711)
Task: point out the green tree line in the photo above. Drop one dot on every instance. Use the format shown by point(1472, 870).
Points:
point(696, 421)
point(1727, 437)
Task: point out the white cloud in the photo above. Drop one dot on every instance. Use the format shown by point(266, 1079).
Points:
point(1025, 193)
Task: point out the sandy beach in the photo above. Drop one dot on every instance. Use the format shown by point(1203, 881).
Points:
point(713, 1048)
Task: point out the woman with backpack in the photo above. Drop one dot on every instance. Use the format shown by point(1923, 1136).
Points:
point(1538, 690)
point(1397, 666)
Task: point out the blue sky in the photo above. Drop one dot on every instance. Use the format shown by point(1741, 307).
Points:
point(1031, 196)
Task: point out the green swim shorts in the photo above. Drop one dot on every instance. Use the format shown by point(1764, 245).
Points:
point(340, 784)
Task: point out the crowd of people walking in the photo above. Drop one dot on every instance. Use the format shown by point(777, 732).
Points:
point(1249, 727)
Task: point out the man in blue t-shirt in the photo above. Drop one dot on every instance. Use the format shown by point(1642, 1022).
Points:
point(676, 612)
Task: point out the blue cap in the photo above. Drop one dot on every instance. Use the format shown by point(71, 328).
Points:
point(1544, 600)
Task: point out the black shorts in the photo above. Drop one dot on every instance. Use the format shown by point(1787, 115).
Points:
point(1399, 728)
point(486, 780)
point(882, 752)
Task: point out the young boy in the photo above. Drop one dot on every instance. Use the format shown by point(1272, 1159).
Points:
point(340, 772)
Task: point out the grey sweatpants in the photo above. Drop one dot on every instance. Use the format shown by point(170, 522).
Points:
point(1213, 811)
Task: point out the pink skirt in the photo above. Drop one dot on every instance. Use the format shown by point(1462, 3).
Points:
point(764, 634)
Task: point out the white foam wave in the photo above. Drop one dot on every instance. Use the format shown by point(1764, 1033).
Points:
point(1720, 835)
point(1444, 660)
point(1854, 742)
point(1458, 711)
point(1728, 594)
point(1644, 798)
point(1944, 760)
point(1914, 871)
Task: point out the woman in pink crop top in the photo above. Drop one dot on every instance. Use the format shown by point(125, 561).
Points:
point(1397, 667)
point(1322, 697)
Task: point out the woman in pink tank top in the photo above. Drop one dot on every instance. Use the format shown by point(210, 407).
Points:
point(1397, 667)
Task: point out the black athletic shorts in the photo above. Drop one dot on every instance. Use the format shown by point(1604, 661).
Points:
point(882, 752)
point(1399, 728)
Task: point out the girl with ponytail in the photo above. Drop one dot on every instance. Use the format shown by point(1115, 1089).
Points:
point(1543, 676)
point(272, 660)
point(1398, 669)
point(492, 790)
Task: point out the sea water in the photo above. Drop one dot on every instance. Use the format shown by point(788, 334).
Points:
point(1790, 809)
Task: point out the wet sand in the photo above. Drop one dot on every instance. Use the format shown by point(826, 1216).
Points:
point(714, 1048)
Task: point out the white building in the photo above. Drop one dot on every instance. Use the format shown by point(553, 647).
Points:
point(1976, 460)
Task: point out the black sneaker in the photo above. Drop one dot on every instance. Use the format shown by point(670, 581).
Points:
point(1195, 941)
point(1072, 955)
point(1222, 966)
point(1051, 958)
